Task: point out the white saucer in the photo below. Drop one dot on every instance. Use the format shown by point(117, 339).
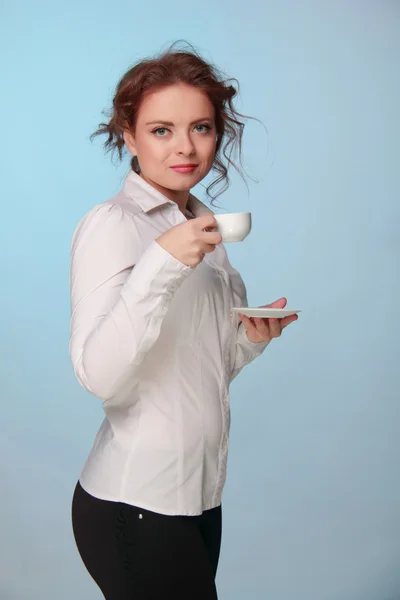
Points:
point(274, 313)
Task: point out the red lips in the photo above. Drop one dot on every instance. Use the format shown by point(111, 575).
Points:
point(182, 166)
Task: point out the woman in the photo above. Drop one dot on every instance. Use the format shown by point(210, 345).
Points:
point(153, 337)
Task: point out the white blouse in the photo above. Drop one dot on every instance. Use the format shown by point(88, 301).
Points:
point(155, 340)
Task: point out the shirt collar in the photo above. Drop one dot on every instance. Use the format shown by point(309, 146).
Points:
point(148, 198)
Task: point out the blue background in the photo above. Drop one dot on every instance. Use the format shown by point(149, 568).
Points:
point(312, 501)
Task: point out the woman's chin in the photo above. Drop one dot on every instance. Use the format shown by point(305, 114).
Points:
point(182, 182)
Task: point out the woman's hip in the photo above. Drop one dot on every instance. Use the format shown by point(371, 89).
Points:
point(133, 552)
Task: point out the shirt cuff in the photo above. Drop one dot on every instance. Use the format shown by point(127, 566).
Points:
point(158, 273)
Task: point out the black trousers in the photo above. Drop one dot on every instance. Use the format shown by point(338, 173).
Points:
point(136, 554)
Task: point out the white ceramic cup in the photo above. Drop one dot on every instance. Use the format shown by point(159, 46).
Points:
point(234, 227)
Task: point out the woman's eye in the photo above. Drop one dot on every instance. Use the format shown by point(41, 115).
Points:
point(205, 127)
point(162, 131)
point(158, 130)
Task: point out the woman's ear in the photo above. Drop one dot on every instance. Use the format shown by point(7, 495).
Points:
point(130, 142)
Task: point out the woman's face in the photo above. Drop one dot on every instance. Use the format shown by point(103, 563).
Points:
point(174, 126)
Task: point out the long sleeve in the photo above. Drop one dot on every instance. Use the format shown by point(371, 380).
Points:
point(119, 297)
point(246, 351)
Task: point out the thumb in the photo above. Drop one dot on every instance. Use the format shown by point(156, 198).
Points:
point(206, 221)
point(280, 303)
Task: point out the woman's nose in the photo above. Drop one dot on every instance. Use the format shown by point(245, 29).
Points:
point(184, 145)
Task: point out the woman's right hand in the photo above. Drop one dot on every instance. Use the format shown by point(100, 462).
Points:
point(188, 242)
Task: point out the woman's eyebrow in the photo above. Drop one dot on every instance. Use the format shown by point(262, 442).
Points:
point(171, 124)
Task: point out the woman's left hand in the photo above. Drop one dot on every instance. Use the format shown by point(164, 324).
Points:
point(263, 330)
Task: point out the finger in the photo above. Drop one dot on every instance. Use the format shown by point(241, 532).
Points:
point(214, 238)
point(248, 323)
point(280, 303)
point(287, 320)
point(262, 326)
point(275, 327)
point(207, 247)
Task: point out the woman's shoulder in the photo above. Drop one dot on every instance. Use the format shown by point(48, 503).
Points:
point(117, 207)
point(113, 218)
point(125, 205)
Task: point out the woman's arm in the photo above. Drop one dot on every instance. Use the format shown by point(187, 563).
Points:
point(119, 298)
point(246, 351)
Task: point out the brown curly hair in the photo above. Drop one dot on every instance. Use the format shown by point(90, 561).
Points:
point(168, 68)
